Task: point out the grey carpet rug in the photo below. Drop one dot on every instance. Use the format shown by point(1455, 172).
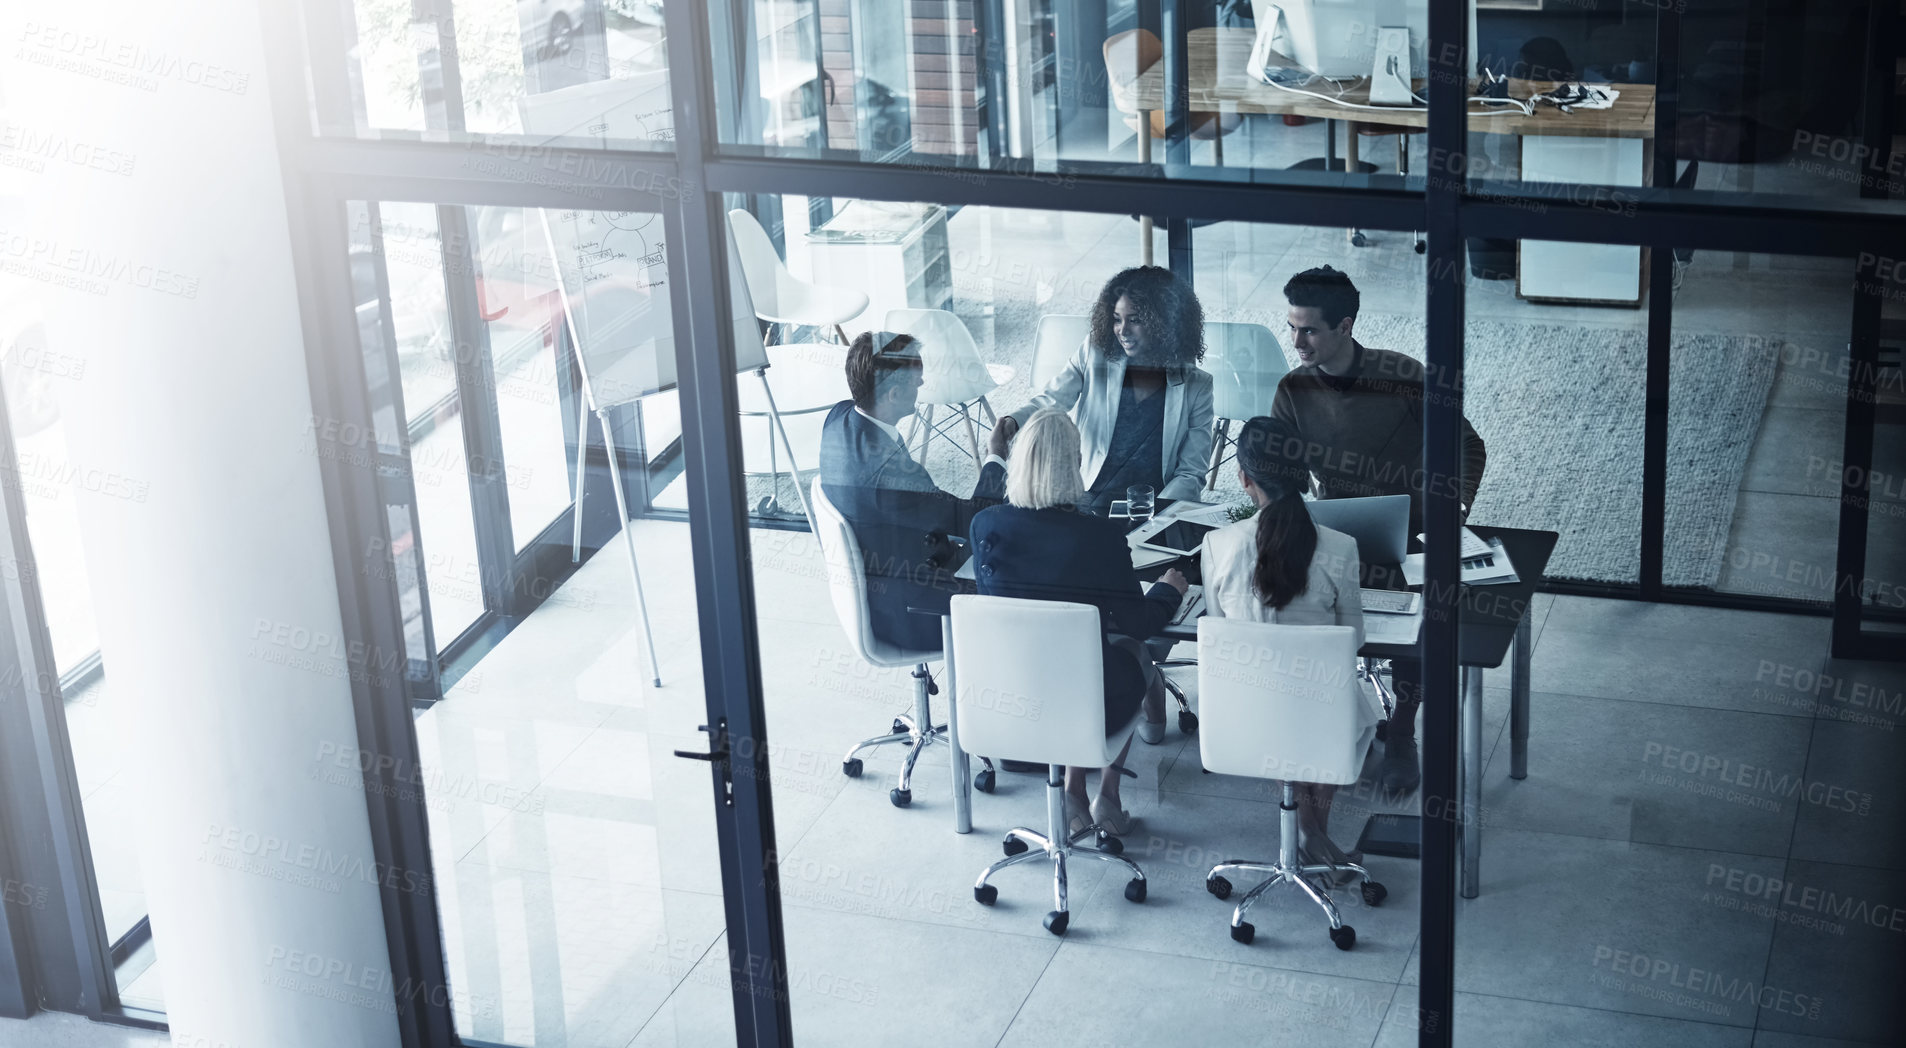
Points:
point(1560, 409)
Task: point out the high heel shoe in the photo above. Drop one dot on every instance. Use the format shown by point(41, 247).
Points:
point(1078, 816)
point(1112, 819)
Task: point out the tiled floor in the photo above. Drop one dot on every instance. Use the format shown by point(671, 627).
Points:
point(586, 913)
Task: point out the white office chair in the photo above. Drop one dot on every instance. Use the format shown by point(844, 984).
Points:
point(779, 296)
point(1245, 363)
point(1059, 336)
point(955, 376)
point(1031, 687)
point(1282, 702)
point(847, 584)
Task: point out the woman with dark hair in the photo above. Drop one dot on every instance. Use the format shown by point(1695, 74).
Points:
point(1135, 391)
point(1279, 566)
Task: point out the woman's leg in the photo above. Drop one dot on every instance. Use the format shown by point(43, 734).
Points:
point(1313, 817)
point(1075, 784)
point(1108, 778)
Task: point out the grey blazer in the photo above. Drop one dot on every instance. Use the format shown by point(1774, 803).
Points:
point(1088, 389)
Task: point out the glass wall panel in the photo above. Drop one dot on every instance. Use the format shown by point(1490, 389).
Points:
point(1770, 100)
point(876, 885)
point(1040, 85)
point(39, 375)
point(1700, 816)
point(573, 854)
point(1757, 423)
point(584, 72)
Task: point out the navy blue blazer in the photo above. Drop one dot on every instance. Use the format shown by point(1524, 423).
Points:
point(1062, 554)
point(902, 521)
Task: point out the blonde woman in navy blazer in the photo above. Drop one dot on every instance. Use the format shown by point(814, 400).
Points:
point(1039, 546)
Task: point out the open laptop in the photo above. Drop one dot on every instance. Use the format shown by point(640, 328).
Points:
point(1380, 524)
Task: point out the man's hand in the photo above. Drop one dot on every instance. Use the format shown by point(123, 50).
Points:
point(999, 442)
point(1176, 580)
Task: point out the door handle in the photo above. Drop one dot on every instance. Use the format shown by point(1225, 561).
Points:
point(718, 756)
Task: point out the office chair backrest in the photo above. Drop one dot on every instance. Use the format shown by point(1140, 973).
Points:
point(1127, 56)
point(846, 576)
point(1245, 363)
point(1277, 702)
point(1060, 335)
point(954, 372)
point(761, 265)
point(1031, 680)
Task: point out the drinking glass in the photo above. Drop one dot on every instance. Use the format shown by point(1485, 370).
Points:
point(1139, 499)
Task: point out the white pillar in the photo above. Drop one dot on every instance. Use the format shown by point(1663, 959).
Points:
point(156, 233)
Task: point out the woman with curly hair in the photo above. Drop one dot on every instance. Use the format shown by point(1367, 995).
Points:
point(1135, 391)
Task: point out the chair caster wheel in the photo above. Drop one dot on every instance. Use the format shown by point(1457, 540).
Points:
point(1013, 846)
point(984, 781)
point(899, 726)
point(1383, 730)
point(1358, 240)
point(1188, 722)
point(1218, 886)
point(1421, 247)
point(901, 798)
point(986, 894)
point(1135, 890)
point(1243, 933)
point(1056, 922)
point(1345, 937)
point(1374, 893)
point(851, 767)
point(1111, 844)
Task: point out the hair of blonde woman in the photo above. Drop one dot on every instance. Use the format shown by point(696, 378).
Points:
point(1045, 468)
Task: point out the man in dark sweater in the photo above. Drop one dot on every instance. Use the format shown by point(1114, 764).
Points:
point(1360, 413)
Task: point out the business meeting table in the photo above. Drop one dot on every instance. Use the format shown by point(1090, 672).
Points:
point(1493, 620)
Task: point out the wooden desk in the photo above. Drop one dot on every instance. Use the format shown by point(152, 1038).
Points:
point(1219, 82)
point(1609, 146)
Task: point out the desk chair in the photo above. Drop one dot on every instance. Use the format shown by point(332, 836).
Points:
point(847, 584)
point(779, 296)
point(1360, 128)
point(1282, 703)
point(1031, 688)
point(1128, 56)
point(1245, 363)
point(955, 376)
point(1059, 336)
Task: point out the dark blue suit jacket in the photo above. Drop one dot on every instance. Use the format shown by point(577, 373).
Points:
point(1062, 554)
point(902, 521)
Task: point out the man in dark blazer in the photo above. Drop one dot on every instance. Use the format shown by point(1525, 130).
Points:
point(900, 517)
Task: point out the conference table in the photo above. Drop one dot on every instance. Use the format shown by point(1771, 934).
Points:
point(1494, 622)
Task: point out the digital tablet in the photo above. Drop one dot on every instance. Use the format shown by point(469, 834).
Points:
point(1182, 537)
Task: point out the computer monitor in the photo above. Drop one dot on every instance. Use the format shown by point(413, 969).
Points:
point(1380, 524)
point(1338, 38)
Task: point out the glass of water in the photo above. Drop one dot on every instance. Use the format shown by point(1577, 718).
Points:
point(1139, 500)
